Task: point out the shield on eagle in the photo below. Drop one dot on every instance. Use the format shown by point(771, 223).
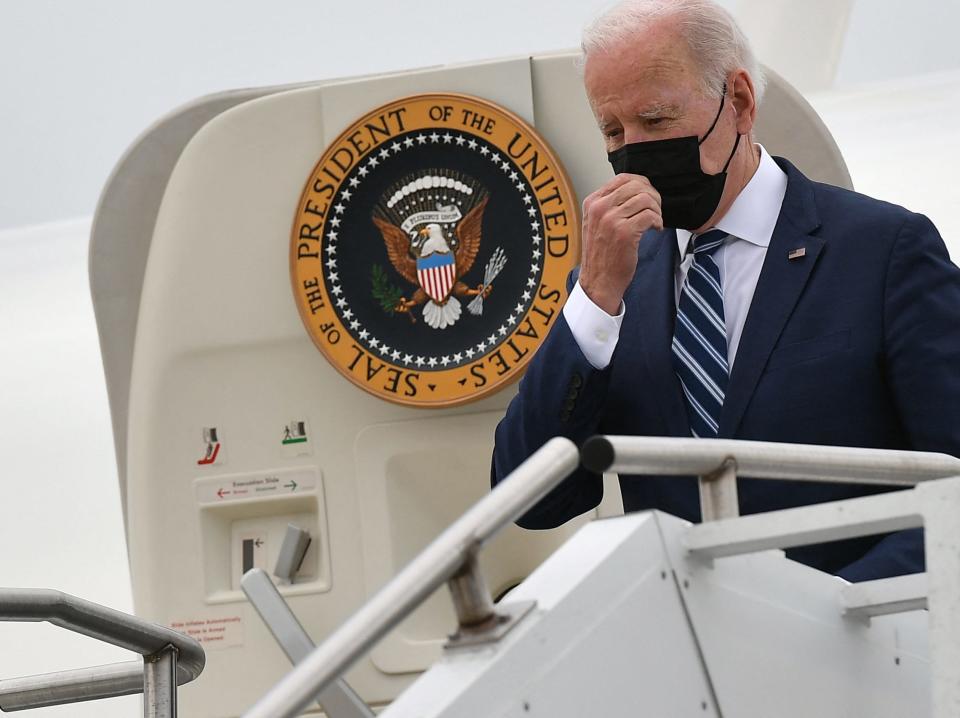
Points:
point(437, 274)
point(431, 226)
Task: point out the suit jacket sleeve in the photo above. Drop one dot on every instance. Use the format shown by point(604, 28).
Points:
point(561, 394)
point(921, 324)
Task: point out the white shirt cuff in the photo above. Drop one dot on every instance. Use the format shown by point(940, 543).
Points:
point(595, 331)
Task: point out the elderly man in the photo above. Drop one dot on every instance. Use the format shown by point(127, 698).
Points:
point(722, 294)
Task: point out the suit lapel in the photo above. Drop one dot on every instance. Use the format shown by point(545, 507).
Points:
point(782, 281)
point(652, 300)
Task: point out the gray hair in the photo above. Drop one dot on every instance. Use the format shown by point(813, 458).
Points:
point(716, 42)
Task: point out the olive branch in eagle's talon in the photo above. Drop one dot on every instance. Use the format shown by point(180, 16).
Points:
point(389, 296)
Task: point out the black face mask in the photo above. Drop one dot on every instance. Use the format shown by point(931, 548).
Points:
point(689, 197)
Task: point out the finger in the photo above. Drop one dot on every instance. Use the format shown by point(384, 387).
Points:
point(603, 190)
point(616, 185)
point(611, 204)
point(640, 222)
point(640, 186)
point(636, 204)
point(613, 184)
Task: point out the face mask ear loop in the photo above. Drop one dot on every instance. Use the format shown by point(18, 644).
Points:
point(716, 119)
point(732, 153)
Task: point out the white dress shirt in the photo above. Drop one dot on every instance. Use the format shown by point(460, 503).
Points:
point(749, 221)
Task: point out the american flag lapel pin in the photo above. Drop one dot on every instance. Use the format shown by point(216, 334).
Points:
point(797, 253)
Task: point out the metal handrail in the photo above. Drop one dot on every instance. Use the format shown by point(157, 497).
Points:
point(81, 684)
point(765, 460)
point(338, 700)
point(718, 463)
point(159, 645)
point(433, 567)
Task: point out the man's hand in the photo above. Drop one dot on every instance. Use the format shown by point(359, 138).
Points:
point(614, 217)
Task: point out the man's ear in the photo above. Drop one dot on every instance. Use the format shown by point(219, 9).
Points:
point(744, 101)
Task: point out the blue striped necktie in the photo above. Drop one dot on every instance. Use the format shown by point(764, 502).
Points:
point(700, 338)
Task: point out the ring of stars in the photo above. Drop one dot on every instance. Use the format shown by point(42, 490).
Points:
point(369, 163)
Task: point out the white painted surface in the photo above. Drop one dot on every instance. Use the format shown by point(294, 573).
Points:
point(220, 343)
point(623, 613)
point(776, 642)
point(938, 501)
point(886, 595)
point(804, 40)
point(608, 637)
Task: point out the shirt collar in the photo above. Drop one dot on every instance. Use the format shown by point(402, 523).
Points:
point(754, 212)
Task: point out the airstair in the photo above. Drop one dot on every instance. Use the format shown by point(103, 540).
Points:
point(643, 614)
point(650, 615)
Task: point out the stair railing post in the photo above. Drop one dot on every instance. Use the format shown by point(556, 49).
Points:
point(718, 493)
point(160, 684)
point(471, 597)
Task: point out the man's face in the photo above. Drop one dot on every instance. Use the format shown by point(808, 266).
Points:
point(649, 88)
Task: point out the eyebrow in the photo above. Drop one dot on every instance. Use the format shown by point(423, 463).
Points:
point(658, 110)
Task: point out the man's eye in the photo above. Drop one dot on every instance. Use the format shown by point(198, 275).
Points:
point(615, 132)
point(654, 121)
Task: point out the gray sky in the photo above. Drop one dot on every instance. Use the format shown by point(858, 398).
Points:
point(80, 80)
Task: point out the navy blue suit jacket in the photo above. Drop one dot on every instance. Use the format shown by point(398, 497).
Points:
point(857, 343)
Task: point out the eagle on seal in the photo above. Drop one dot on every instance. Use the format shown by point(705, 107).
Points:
point(426, 260)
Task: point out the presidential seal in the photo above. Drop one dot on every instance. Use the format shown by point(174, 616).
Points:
point(430, 249)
